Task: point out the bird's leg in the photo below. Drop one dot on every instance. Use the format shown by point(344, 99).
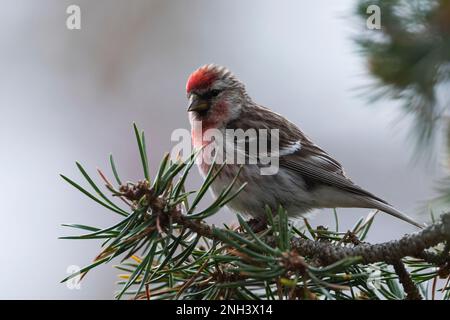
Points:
point(257, 225)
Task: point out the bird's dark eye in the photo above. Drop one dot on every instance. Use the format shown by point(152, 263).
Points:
point(211, 94)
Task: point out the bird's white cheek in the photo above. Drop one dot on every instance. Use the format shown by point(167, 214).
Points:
point(191, 118)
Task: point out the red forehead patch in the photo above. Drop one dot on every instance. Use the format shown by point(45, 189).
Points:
point(200, 79)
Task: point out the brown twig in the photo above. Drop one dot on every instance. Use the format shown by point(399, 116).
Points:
point(111, 187)
point(191, 280)
point(147, 291)
point(412, 293)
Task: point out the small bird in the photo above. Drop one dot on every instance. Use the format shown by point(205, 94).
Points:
point(308, 178)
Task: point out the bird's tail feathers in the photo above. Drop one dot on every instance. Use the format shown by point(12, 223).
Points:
point(394, 212)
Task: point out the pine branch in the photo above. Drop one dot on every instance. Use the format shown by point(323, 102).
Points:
point(167, 250)
point(326, 253)
point(413, 245)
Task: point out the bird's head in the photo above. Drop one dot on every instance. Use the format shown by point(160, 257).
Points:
point(215, 95)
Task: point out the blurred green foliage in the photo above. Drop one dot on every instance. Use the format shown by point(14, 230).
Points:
point(409, 57)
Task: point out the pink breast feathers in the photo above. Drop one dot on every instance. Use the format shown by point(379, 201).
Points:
point(203, 159)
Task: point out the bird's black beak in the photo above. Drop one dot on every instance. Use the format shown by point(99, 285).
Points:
point(197, 104)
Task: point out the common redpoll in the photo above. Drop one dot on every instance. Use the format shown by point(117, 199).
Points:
point(307, 177)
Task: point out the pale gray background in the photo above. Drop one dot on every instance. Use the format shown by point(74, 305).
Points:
point(72, 95)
